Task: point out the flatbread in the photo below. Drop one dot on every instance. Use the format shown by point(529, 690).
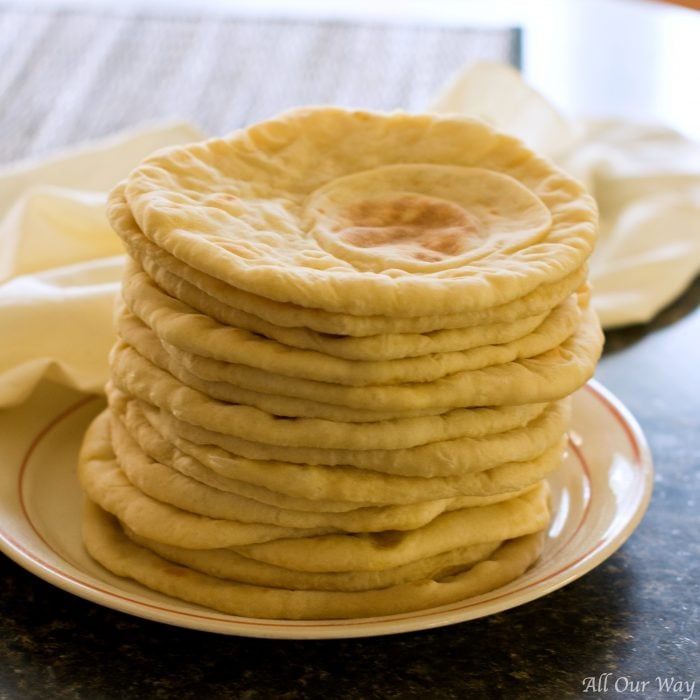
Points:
point(254, 357)
point(106, 542)
point(104, 483)
point(545, 377)
point(336, 488)
point(384, 346)
point(382, 434)
point(516, 517)
point(311, 441)
point(275, 403)
point(251, 308)
point(226, 564)
point(302, 209)
point(167, 485)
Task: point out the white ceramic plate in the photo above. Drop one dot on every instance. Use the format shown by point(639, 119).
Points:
point(600, 494)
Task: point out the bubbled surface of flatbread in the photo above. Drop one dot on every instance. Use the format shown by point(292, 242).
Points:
point(366, 213)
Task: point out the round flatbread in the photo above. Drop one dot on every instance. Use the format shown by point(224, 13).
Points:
point(167, 485)
point(546, 377)
point(338, 488)
point(106, 542)
point(379, 434)
point(516, 517)
point(311, 441)
point(253, 357)
point(364, 213)
point(227, 564)
point(384, 346)
point(284, 315)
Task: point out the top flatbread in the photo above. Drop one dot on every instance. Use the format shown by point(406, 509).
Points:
point(256, 308)
point(366, 213)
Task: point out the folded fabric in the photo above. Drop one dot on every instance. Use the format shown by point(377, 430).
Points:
point(645, 178)
point(60, 262)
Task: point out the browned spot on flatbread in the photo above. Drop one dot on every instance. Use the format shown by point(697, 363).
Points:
point(423, 228)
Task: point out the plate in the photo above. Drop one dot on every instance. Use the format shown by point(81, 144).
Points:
point(600, 493)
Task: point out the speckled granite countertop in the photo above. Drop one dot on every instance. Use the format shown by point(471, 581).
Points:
point(635, 617)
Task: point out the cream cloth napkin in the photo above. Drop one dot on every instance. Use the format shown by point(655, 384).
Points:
point(60, 263)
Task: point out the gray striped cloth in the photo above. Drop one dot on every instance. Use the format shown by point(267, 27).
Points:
point(70, 76)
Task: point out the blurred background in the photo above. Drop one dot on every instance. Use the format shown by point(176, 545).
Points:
point(80, 69)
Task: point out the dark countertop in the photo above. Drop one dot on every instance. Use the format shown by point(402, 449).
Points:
point(635, 616)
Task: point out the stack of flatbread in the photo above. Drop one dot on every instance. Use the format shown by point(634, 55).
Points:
point(347, 342)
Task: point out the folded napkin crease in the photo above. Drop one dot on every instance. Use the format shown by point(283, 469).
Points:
point(61, 263)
